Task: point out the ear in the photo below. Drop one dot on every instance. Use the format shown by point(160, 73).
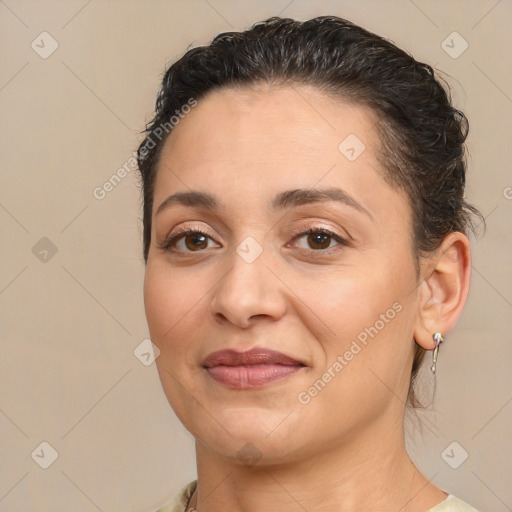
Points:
point(444, 290)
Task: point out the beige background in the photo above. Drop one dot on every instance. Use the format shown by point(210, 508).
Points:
point(71, 322)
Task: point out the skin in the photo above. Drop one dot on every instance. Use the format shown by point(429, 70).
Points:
point(344, 450)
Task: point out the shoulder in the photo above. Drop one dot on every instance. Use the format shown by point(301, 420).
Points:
point(453, 504)
point(180, 501)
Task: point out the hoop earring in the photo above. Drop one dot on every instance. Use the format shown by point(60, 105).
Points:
point(438, 338)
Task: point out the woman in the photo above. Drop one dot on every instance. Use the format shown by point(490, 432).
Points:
point(305, 239)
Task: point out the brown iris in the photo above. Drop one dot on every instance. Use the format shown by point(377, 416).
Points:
point(320, 240)
point(195, 239)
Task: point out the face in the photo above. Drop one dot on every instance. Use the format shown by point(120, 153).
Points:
point(325, 276)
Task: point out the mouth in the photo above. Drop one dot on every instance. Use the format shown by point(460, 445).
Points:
point(251, 369)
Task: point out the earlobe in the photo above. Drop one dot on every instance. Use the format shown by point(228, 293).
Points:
point(444, 290)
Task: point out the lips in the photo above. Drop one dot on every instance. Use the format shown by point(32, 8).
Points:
point(250, 369)
point(251, 357)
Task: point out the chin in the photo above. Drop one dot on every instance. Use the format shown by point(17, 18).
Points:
point(253, 437)
point(264, 452)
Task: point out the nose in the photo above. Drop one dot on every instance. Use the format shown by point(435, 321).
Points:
point(248, 291)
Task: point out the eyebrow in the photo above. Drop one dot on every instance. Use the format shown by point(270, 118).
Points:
point(284, 200)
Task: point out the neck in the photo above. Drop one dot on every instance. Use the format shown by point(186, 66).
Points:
point(371, 473)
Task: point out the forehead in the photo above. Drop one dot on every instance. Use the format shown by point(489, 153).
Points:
point(260, 113)
point(270, 129)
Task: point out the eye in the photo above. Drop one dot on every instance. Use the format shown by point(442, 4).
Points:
point(320, 239)
point(195, 240)
point(187, 240)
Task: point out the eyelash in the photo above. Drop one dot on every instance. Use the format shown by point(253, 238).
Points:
point(309, 230)
point(181, 233)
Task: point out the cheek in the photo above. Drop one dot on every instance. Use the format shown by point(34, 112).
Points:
point(178, 318)
point(169, 307)
point(367, 319)
point(378, 341)
point(352, 299)
point(172, 307)
point(168, 301)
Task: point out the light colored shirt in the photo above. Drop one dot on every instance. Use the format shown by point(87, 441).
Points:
point(180, 502)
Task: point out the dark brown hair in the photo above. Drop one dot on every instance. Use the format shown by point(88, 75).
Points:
point(421, 135)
